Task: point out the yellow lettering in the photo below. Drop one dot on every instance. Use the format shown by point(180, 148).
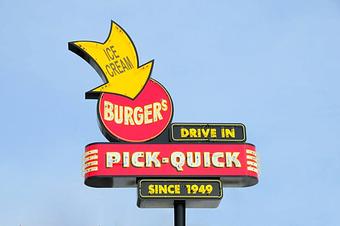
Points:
point(192, 132)
point(177, 189)
point(171, 186)
point(151, 189)
point(205, 132)
point(184, 132)
point(213, 133)
point(162, 189)
point(199, 133)
point(230, 133)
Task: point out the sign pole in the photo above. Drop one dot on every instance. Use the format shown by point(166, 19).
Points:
point(179, 213)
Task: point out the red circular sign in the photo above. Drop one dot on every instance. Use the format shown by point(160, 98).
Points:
point(138, 120)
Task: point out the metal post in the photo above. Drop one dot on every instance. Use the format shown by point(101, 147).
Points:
point(179, 209)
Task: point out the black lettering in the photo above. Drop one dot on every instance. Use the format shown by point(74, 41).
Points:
point(118, 66)
point(106, 54)
point(123, 65)
point(114, 69)
point(128, 62)
point(108, 71)
point(115, 56)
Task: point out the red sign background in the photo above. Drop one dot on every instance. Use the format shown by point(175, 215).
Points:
point(152, 97)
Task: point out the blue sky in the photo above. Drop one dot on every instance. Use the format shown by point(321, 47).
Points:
point(273, 65)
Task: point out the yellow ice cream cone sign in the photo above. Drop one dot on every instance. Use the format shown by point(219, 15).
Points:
point(116, 61)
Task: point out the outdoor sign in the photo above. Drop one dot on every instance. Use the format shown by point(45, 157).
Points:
point(168, 163)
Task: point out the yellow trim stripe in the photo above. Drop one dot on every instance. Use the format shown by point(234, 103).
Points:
point(92, 157)
point(87, 153)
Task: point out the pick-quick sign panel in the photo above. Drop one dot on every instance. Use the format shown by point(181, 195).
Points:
point(218, 132)
point(119, 165)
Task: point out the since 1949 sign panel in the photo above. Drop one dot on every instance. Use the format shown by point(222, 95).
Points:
point(209, 192)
